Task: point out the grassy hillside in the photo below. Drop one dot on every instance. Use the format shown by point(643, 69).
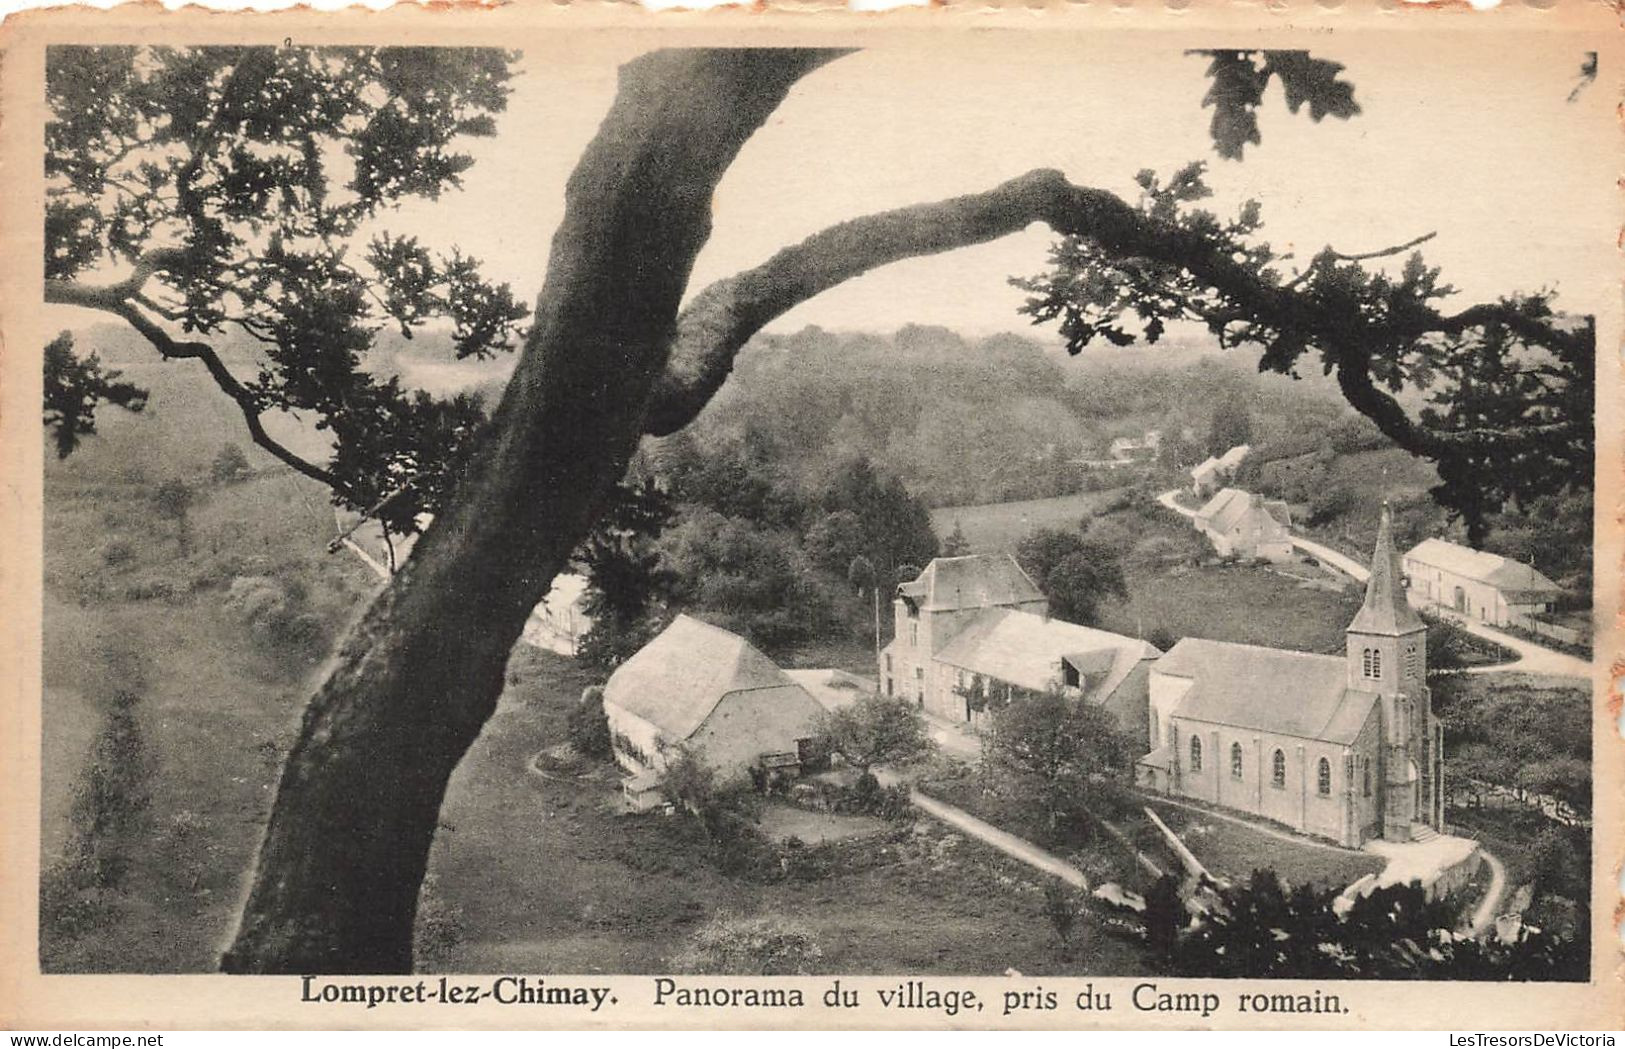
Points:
point(178, 651)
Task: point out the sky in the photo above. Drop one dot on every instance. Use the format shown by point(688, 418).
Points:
point(1482, 148)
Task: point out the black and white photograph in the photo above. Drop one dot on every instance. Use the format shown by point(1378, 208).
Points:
point(1081, 510)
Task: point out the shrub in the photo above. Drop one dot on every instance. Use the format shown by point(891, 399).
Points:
point(117, 553)
point(150, 590)
point(280, 611)
point(229, 465)
point(762, 946)
point(439, 928)
point(587, 726)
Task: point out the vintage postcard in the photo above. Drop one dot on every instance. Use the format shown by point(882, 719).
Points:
point(1077, 516)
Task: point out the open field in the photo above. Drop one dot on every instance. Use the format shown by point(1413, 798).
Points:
point(995, 527)
point(1233, 851)
point(1243, 603)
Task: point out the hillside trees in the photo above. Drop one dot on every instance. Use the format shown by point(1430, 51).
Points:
point(1074, 570)
point(1231, 425)
point(205, 169)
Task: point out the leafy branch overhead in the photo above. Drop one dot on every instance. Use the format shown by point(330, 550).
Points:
point(1507, 385)
point(198, 191)
point(1239, 79)
point(74, 385)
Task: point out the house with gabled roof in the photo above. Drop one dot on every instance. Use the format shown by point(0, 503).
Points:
point(1246, 525)
point(700, 689)
point(1342, 747)
point(1212, 473)
point(1482, 586)
point(971, 632)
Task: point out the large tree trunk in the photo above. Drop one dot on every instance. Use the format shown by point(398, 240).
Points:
point(336, 882)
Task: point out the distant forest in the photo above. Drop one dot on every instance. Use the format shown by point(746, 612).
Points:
point(828, 446)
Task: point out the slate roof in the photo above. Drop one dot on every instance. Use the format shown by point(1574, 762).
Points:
point(972, 581)
point(1500, 572)
point(1026, 650)
point(1387, 610)
point(1297, 694)
point(676, 680)
point(1232, 505)
point(1161, 758)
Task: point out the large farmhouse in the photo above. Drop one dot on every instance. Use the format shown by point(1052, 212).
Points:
point(1482, 586)
point(1246, 525)
point(700, 689)
point(973, 631)
point(1343, 747)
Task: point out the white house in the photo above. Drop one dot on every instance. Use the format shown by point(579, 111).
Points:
point(1126, 449)
point(700, 689)
point(1246, 525)
point(973, 631)
point(1482, 586)
point(1210, 474)
point(1343, 747)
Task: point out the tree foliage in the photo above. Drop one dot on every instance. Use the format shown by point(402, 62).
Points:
point(627, 583)
point(1066, 757)
point(587, 726)
point(1237, 89)
point(229, 185)
point(876, 730)
point(1262, 929)
point(1510, 384)
point(1231, 425)
point(74, 386)
point(1074, 571)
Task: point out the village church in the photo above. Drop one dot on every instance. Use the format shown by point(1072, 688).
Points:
point(1341, 747)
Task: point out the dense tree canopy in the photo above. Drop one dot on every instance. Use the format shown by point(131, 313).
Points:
point(229, 188)
point(1075, 572)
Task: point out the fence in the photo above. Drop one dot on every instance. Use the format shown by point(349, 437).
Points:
point(1541, 628)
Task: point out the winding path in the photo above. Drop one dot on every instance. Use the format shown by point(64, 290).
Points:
point(1007, 843)
point(1532, 658)
point(1484, 917)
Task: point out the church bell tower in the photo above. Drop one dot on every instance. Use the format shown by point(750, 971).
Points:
point(1387, 654)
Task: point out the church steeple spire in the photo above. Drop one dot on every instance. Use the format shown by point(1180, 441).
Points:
point(1386, 610)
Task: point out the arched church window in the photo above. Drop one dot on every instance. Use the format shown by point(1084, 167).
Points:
point(1365, 662)
point(1365, 777)
point(1323, 776)
point(1413, 659)
point(1376, 662)
point(1196, 754)
point(1278, 769)
point(1235, 760)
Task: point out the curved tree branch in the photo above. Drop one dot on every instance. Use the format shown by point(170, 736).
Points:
point(724, 316)
point(117, 300)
